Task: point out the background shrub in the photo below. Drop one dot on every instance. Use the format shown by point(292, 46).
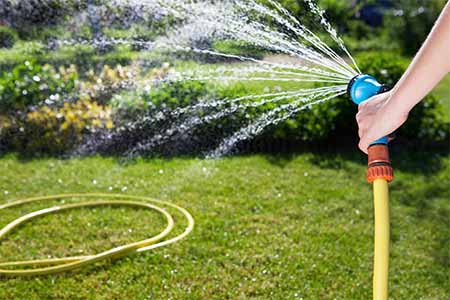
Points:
point(110, 80)
point(50, 130)
point(8, 37)
point(31, 84)
point(238, 48)
point(402, 25)
point(33, 90)
point(25, 14)
point(177, 94)
point(409, 22)
point(143, 116)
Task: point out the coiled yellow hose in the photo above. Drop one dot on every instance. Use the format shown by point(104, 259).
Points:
point(58, 265)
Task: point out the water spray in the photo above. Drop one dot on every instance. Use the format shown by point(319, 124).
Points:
point(379, 172)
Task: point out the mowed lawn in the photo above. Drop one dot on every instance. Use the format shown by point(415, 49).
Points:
point(267, 227)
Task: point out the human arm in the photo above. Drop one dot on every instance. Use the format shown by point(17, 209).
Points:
point(386, 112)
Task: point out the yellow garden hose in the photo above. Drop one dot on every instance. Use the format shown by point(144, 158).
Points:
point(379, 173)
point(360, 89)
point(381, 257)
point(57, 265)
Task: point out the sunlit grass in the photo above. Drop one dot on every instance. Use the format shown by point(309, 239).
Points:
point(268, 227)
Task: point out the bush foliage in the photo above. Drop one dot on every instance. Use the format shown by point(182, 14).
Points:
point(409, 22)
point(37, 81)
point(30, 84)
point(50, 130)
point(402, 25)
point(38, 121)
point(8, 37)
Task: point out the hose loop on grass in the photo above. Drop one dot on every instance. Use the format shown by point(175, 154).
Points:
point(58, 265)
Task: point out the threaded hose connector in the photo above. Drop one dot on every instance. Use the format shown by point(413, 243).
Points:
point(379, 164)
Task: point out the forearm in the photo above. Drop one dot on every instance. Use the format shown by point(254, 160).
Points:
point(429, 66)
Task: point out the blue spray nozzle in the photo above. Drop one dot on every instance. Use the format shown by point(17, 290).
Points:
point(361, 88)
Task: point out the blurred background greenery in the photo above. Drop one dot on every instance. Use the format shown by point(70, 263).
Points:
point(383, 35)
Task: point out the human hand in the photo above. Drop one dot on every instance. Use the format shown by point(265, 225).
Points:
point(378, 117)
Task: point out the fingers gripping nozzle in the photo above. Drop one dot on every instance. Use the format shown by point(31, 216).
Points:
point(360, 89)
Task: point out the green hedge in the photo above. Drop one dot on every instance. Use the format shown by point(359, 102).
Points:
point(30, 17)
point(322, 123)
point(85, 57)
point(326, 122)
point(8, 37)
point(30, 84)
point(238, 48)
point(410, 26)
point(405, 23)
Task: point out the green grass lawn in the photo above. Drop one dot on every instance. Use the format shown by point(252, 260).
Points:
point(267, 227)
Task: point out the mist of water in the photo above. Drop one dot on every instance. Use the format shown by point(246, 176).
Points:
point(197, 24)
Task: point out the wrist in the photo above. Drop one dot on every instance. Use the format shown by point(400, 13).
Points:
point(396, 106)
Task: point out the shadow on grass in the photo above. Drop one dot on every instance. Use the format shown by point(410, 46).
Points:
point(411, 158)
point(406, 156)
